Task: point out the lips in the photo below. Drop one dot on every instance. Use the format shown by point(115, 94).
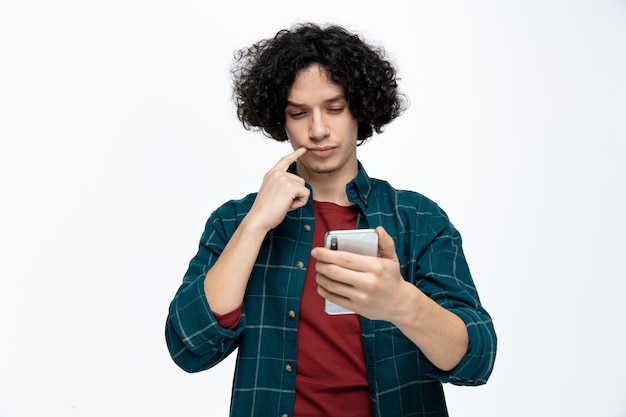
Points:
point(322, 152)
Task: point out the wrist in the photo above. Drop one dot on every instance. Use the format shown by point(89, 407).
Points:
point(250, 226)
point(410, 306)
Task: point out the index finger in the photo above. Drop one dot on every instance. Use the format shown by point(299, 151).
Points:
point(344, 259)
point(285, 161)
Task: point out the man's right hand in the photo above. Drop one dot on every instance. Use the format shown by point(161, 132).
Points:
point(280, 192)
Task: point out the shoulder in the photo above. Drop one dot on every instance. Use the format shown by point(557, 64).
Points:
point(403, 199)
point(237, 205)
point(232, 211)
point(225, 219)
point(407, 211)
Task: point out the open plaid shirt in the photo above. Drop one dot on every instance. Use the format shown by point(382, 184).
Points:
point(402, 381)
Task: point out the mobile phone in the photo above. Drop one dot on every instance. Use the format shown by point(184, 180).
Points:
point(360, 241)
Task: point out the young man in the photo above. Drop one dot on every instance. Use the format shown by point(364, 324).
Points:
point(261, 274)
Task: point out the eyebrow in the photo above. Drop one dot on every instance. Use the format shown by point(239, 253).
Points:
point(338, 97)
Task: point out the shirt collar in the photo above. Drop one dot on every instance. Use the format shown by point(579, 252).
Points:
point(360, 187)
point(358, 190)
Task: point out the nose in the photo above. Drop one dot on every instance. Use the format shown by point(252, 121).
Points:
point(319, 128)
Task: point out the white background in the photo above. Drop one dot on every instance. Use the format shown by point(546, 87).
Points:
point(118, 138)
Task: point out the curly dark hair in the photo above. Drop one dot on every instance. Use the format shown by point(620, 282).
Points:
point(263, 74)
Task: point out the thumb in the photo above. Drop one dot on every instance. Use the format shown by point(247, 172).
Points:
point(386, 246)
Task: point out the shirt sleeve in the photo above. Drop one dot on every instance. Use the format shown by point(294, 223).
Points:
point(445, 277)
point(194, 336)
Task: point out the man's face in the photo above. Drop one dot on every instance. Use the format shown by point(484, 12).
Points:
point(318, 117)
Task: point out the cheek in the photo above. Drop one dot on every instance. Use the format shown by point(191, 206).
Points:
point(294, 134)
point(353, 129)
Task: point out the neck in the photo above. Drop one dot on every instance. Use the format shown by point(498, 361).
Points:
point(332, 194)
point(330, 186)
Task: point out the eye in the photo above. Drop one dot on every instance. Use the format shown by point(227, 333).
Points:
point(335, 110)
point(297, 114)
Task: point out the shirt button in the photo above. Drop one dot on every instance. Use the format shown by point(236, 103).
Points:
point(292, 314)
point(300, 265)
point(289, 367)
point(307, 227)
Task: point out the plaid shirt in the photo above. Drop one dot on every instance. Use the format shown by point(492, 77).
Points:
point(402, 381)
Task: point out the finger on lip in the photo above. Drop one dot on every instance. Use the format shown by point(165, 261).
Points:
point(299, 152)
point(287, 160)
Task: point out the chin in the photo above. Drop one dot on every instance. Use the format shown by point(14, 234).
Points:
point(321, 168)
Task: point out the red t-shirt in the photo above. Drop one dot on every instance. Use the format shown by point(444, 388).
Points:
point(331, 378)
